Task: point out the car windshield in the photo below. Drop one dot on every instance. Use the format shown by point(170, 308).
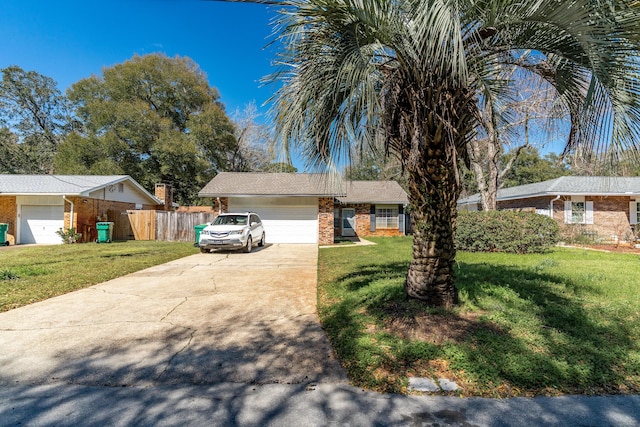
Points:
point(230, 220)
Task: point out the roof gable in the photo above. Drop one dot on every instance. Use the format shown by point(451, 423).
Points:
point(66, 185)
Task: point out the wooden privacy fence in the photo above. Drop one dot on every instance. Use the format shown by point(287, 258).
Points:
point(178, 227)
point(157, 225)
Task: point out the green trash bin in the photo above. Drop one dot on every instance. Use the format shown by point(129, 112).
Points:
point(3, 234)
point(105, 232)
point(198, 229)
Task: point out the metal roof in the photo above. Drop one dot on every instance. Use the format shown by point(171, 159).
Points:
point(568, 186)
point(242, 184)
point(67, 185)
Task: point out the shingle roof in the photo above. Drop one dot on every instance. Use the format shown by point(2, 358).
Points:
point(374, 192)
point(238, 184)
point(227, 184)
point(68, 185)
point(569, 186)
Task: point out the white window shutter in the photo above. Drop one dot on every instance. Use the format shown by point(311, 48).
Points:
point(588, 217)
point(567, 212)
point(633, 212)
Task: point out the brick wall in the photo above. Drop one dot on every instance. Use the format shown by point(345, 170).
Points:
point(534, 202)
point(386, 232)
point(164, 192)
point(363, 222)
point(610, 214)
point(8, 210)
point(223, 206)
point(325, 221)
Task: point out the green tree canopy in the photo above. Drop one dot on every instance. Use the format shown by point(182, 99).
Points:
point(529, 167)
point(371, 163)
point(416, 73)
point(35, 111)
point(152, 117)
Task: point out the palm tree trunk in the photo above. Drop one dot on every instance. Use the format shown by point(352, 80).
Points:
point(433, 193)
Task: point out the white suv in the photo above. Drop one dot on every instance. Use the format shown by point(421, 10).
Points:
point(232, 231)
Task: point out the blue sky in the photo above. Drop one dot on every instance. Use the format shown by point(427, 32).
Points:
point(69, 40)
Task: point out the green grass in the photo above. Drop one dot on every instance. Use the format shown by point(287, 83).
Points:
point(33, 274)
point(543, 324)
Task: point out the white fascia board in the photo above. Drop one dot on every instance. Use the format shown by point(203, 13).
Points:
point(119, 180)
point(41, 194)
point(115, 181)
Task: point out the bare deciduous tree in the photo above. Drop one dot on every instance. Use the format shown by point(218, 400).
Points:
point(508, 128)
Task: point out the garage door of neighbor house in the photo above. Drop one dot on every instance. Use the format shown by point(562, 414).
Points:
point(286, 219)
point(38, 224)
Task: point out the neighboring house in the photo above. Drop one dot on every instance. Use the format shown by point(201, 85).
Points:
point(36, 206)
point(608, 207)
point(311, 208)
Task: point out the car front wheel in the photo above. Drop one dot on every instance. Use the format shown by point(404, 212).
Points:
point(249, 246)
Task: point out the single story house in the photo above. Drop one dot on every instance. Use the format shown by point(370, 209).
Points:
point(311, 208)
point(608, 207)
point(36, 206)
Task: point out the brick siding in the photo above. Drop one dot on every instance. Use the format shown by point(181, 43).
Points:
point(222, 207)
point(325, 221)
point(164, 192)
point(363, 222)
point(610, 214)
point(8, 209)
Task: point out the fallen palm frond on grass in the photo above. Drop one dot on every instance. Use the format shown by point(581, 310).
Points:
point(540, 324)
point(32, 274)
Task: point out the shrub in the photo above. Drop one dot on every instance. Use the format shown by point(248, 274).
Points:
point(505, 231)
point(69, 236)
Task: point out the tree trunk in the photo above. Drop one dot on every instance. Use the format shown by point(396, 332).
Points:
point(433, 193)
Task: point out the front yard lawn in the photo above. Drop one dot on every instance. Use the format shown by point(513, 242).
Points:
point(36, 273)
point(542, 324)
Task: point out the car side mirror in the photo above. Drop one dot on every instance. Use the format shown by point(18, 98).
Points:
point(253, 224)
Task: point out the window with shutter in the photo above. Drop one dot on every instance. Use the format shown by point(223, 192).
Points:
point(386, 216)
point(578, 211)
point(588, 214)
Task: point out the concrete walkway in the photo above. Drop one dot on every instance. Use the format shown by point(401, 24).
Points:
point(222, 339)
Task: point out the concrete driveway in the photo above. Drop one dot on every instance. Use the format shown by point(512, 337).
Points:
point(204, 319)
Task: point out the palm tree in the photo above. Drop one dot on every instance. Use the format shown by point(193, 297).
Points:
point(415, 74)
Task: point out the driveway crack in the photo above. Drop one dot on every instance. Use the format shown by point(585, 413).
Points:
point(174, 309)
point(170, 361)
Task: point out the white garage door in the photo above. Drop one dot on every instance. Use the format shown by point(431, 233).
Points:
point(38, 224)
point(286, 219)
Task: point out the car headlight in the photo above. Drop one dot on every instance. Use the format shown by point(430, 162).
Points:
point(236, 232)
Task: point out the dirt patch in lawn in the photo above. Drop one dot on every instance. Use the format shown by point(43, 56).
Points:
point(621, 248)
point(436, 328)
